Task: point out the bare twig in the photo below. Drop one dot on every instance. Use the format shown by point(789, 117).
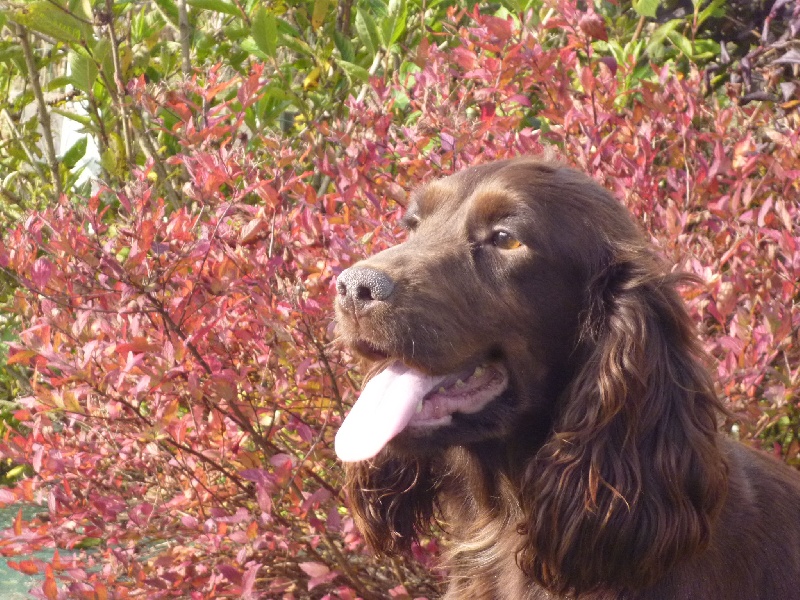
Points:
point(186, 38)
point(118, 89)
point(638, 32)
point(41, 105)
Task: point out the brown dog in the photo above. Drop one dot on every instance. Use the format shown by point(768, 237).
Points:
point(537, 386)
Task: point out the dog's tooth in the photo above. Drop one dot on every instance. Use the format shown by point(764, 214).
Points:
point(442, 390)
point(419, 406)
point(479, 371)
point(459, 383)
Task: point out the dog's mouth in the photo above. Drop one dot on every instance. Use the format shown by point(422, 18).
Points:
point(401, 397)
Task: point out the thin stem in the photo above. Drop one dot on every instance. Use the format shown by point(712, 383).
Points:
point(41, 106)
point(186, 38)
point(119, 83)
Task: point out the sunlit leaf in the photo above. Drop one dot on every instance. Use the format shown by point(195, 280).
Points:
point(76, 152)
point(220, 6)
point(368, 32)
point(51, 20)
point(49, 586)
point(395, 22)
point(646, 8)
point(354, 72)
point(265, 31)
point(319, 13)
point(18, 523)
point(169, 9)
point(84, 120)
point(83, 72)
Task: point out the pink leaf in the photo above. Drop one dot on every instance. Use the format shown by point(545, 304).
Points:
point(41, 272)
point(249, 580)
point(314, 569)
point(318, 573)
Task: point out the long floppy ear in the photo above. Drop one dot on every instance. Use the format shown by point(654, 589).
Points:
point(392, 499)
point(632, 478)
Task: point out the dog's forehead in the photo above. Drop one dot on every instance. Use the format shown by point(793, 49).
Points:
point(450, 193)
point(486, 194)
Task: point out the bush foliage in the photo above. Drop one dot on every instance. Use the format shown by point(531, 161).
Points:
point(185, 380)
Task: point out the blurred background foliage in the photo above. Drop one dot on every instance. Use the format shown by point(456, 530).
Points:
point(65, 68)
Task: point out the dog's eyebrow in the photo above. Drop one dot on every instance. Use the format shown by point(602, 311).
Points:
point(424, 200)
point(493, 201)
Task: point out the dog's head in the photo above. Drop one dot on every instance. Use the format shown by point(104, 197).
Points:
point(475, 320)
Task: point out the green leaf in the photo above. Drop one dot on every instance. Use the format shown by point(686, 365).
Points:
point(656, 43)
point(368, 32)
point(104, 57)
point(15, 472)
point(250, 46)
point(75, 153)
point(646, 8)
point(353, 71)
point(265, 31)
point(113, 159)
point(219, 6)
point(682, 43)
point(169, 10)
point(319, 13)
point(53, 21)
point(395, 23)
point(83, 72)
point(57, 83)
point(715, 9)
point(344, 45)
point(286, 28)
point(84, 120)
point(296, 43)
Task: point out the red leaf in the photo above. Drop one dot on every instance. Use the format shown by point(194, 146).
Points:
point(49, 586)
point(100, 592)
point(24, 566)
point(594, 26)
point(22, 357)
point(18, 523)
point(501, 28)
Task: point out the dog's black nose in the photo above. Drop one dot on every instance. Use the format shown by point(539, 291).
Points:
point(358, 287)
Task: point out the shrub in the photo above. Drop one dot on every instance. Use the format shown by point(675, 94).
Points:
point(186, 384)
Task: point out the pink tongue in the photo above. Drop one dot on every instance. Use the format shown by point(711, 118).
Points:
point(383, 409)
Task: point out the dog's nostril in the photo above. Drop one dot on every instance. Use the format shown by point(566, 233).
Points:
point(364, 293)
point(362, 285)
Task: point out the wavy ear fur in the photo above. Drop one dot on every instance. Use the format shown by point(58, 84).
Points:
point(392, 499)
point(631, 480)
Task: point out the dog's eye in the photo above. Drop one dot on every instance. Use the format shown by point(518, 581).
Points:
point(505, 241)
